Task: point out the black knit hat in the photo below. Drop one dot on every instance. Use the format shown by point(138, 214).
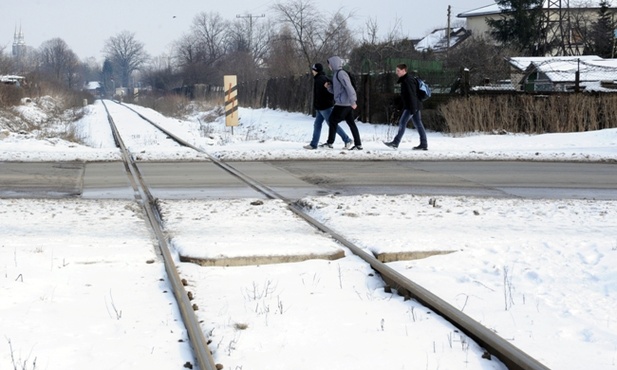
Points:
point(317, 67)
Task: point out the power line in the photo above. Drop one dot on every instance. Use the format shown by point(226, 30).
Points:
point(250, 18)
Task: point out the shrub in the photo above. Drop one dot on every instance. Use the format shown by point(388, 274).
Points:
point(10, 95)
point(173, 105)
point(538, 114)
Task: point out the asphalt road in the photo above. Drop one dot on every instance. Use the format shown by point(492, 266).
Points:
point(295, 179)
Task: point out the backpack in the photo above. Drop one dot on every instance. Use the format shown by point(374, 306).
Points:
point(352, 79)
point(424, 90)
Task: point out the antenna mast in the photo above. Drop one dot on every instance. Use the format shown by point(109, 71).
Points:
point(558, 35)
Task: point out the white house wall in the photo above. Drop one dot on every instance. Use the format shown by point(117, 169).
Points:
point(476, 19)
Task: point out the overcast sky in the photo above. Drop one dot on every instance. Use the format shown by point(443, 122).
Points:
point(86, 25)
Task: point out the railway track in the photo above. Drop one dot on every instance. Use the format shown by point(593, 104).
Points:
point(494, 345)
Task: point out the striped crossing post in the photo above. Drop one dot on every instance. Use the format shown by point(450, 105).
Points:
point(231, 101)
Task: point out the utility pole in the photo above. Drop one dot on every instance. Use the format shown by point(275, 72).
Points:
point(614, 36)
point(448, 32)
point(250, 18)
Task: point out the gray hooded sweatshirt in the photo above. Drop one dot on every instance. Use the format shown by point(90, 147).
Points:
point(344, 93)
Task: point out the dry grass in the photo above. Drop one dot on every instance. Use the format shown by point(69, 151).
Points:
point(170, 105)
point(177, 106)
point(10, 95)
point(61, 108)
point(530, 113)
point(66, 98)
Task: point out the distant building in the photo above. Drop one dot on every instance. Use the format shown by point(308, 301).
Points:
point(440, 41)
point(559, 19)
point(94, 87)
point(12, 80)
point(19, 44)
point(564, 74)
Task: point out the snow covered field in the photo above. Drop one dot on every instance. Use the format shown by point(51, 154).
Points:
point(82, 285)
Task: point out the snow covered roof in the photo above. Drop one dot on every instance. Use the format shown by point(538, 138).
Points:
point(494, 8)
point(601, 86)
point(560, 71)
point(93, 85)
point(438, 40)
point(522, 63)
point(11, 78)
point(484, 10)
point(551, 73)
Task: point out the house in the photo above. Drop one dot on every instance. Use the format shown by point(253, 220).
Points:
point(564, 74)
point(13, 80)
point(93, 87)
point(558, 16)
point(438, 40)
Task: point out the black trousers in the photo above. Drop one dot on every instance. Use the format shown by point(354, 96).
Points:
point(339, 113)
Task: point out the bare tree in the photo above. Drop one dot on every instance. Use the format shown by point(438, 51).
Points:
point(338, 39)
point(199, 53)
point(209, 32)
point(250, 41)
point(59, 62)
point(284, 58)
point(251, 36)
point(6, 65)
point(371, 29)
point(378, 57)
point(185, 52)
point(187, 58)
point(90, 69)
point(126, 53)
point(314, 35)
point(371, 33)
point(485, 60)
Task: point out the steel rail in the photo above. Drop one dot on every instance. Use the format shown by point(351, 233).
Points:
point(506, 352)
point(201, 351)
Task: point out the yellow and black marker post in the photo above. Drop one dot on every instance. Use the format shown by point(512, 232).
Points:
point(231, 101)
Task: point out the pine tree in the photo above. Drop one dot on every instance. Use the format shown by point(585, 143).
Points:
point(519, 26)
point(603, 32)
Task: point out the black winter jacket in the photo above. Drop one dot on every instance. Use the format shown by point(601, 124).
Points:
point(322, 98)
point(409, 93)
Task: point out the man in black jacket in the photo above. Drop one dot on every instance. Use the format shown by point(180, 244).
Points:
point(323, 101)
point(411, 109)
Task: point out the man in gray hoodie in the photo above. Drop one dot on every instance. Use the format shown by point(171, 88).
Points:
point(344, 103)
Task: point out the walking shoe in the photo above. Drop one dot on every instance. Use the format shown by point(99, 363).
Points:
point(355, 147)
point(326, 146)
point(309, 146)
point(390, 144)
point(348, 144)
point(419, 147)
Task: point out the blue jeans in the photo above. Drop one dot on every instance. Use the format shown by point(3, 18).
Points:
point(324, 115)
point(417, 122)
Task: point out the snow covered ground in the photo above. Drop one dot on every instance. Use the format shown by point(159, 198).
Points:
point(82, 285)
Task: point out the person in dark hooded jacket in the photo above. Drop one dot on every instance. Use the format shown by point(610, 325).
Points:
point(323, 102)
point(344, 103)
point(411, 109)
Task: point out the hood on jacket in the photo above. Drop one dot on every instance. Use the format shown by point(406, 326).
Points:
point(335, 63)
